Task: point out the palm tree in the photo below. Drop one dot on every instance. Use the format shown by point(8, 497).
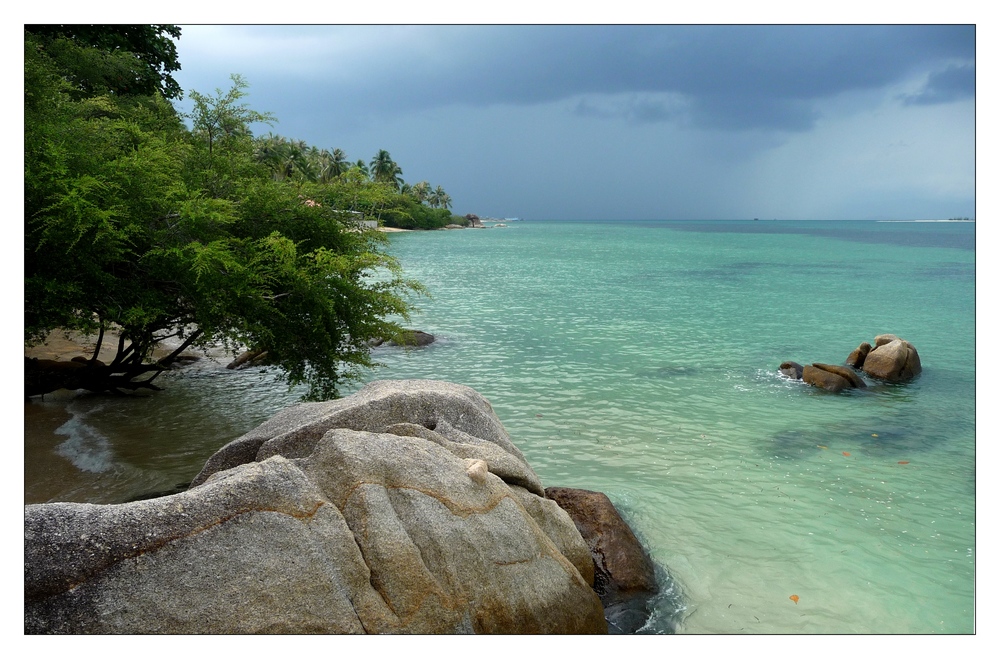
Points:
point(385, 170)
point(303, 160)
point(330, 165)
point(338, 163)
point(443, 198)
point(421, 191)
point(360, 164)
point(271, 151)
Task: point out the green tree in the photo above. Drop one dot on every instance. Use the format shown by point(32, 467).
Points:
point(385, 170)
point(421, 191)
point(442, 197)
point(113, 59)
point(331, 165)
point(135, 222)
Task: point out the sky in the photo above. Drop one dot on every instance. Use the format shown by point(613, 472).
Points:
point(627, 121)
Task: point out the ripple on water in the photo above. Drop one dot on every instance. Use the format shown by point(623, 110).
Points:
point(641, 361)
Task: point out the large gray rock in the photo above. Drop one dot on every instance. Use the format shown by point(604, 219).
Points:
point(402, 509)
point(892, 359)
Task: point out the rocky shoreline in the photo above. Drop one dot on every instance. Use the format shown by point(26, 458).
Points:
point(404, 508)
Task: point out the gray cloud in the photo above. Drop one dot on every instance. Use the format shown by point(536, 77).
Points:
point(956, 82)
point(628, 121)
point(735, 77)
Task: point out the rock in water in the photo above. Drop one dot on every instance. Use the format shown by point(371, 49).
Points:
point(857, 357)
point(414, 338)
point(894, 360)
point(824, 379)
point(624, 575)
point(402, 509)
point(791, 370)
point(409, 338)
point(844, 372)
point(882, 339)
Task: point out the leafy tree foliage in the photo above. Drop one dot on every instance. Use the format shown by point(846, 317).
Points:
point(137, 222)
point(114, 59)
point(385, 170)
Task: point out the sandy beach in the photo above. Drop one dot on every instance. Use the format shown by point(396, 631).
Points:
point(65, 346)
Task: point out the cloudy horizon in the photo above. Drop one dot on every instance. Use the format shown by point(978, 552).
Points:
point(628, 122)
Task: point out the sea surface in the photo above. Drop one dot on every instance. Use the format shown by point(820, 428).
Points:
point(640, 359)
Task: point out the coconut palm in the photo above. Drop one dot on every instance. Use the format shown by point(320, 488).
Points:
point(385, 170)
point(443, 198)
point(330, 165)
point(421, 191)
point(271, 151)
point(338, 163)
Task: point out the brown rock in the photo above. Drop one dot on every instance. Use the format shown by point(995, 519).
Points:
point(845, 373)
point(895, 361)
point(624, 575)
point(883, 339)
point(857, 358)
point(791, 369)
point(824, 379)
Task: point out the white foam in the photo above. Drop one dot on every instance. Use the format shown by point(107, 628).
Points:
point(86, 447)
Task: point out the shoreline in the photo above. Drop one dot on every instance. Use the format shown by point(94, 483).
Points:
point(63, 346)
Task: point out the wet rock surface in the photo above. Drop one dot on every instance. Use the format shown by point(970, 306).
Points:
point(624, 574)
point(892, 360)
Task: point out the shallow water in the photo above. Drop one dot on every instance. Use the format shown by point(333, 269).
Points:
point(639, 359)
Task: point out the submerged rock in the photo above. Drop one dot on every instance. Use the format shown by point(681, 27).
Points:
point(404, 508)
point(408, 338)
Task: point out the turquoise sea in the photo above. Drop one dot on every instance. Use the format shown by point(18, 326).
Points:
point(640, 359)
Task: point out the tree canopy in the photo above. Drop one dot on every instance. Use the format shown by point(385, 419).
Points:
point(201, 232)
point(118, 59)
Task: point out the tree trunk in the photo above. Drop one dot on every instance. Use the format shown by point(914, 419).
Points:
point(43, 376)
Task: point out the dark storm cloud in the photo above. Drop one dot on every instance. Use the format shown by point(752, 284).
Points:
point(953, 83)
point(815, 122)
point(733, 77)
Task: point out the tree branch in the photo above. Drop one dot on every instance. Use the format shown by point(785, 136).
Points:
point(97, 348)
